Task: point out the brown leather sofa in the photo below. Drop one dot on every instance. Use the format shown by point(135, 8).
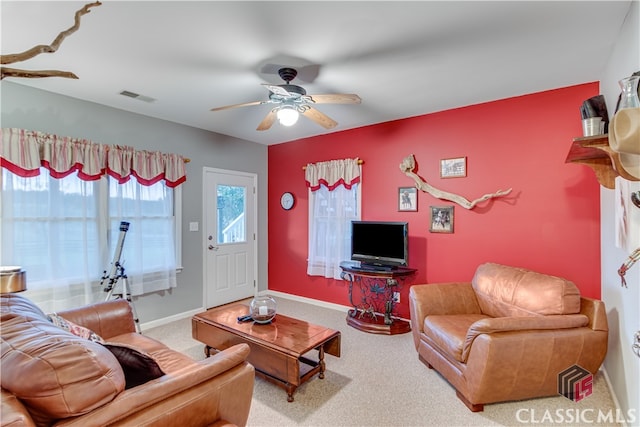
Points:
point(52, 377)
point(507, 334)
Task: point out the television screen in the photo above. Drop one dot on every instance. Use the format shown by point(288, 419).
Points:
point(377, 243)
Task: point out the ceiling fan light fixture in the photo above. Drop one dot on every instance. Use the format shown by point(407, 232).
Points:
point(288, 101)
point(288, 116)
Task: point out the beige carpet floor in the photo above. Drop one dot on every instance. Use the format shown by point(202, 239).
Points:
point(379, 381)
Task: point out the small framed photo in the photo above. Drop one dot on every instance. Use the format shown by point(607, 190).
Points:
point(453, 168)
point(441, 220)
point(407, 199)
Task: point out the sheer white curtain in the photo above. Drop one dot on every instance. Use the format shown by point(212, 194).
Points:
point(50, 227)
point(57, 230)
point(334, 201)
point(148, 254)
point(62, 203)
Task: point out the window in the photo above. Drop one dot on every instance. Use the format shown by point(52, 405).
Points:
point(330, 216)
point(334, 201)
point(55, 229)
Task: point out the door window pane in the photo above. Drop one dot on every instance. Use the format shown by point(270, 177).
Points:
point(232, 205)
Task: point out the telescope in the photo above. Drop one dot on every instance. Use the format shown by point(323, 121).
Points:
point(117, 269)
point(117, 275)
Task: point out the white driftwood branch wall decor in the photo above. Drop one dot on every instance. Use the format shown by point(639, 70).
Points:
point(409, 164)
point(37, 50)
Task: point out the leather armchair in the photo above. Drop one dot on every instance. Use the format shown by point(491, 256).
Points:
point(52, 377)
point(507, 334)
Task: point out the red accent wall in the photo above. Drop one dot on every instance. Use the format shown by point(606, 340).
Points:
point(549, 223)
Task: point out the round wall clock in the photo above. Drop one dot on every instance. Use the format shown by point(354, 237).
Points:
point(287, 201)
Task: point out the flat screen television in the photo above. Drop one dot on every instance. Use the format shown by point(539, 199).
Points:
point(380, 244)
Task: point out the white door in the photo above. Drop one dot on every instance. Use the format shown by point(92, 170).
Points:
point(230, 266)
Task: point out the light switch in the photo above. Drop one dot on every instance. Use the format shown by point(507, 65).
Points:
point(193, 226)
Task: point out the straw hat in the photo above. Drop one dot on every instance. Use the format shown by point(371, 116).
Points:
point(624, 138)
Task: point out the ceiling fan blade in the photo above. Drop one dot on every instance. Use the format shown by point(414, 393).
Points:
point(320, 118)
point(244, 104)
point(336, 98)
point(268, 121)
point(278, 90)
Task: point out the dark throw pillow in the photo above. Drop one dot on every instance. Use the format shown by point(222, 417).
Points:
point(138, 367)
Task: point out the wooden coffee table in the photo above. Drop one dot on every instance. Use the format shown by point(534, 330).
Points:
point(278, 349)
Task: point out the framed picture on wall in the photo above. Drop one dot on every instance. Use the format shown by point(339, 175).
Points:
point(408, 199)
point(453, 168)
point(441, 219)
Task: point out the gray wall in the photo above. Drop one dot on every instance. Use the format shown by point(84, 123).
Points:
point(622, 366)
point(34, 109)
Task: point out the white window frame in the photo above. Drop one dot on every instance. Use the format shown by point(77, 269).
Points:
point(312, 219)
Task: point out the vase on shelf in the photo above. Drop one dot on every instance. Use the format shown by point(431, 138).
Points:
point(629, 96)
point(263, 309)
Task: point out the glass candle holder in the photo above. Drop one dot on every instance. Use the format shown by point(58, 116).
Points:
point(629, 96)
point(263, 309)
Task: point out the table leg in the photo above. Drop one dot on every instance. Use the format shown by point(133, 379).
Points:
point(321, 362)
point(349, 278)
point(388, 308)
point(290, 390)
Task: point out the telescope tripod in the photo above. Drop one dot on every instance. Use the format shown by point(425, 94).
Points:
point(124, 293)
point(118, 275)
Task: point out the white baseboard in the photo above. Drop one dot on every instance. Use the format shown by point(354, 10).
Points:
point(616, 403)
point(333, 306)
point(306, 300)
point(166, 320)
point(311, 301)
point(161, 322)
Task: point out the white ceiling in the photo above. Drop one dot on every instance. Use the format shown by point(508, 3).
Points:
point(403, 59)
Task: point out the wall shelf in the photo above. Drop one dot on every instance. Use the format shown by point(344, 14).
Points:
point(594, 151)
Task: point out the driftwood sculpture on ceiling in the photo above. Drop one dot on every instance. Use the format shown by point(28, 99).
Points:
point(37, 50)
point(408, 166)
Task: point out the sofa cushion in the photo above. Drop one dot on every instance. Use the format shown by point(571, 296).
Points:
point(138, 367)
point(169, 360)
point(14, 305)
point(505, 291)
point(53, 372)
point(449, 331)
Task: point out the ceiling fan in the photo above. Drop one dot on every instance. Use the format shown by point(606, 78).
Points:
point(292, 100)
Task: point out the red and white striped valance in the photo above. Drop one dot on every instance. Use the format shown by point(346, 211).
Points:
point(25, 151)
point(332, 174)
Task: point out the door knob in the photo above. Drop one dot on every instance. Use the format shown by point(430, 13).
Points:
point(213, 248)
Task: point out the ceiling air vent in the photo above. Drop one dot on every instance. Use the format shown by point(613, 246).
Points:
point(137, 96)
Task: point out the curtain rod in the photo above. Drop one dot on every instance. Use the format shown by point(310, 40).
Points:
point(360, 162)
